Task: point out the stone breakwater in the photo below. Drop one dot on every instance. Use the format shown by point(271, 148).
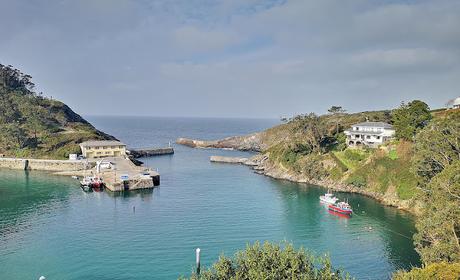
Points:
point(43, 164)
point(251, 142)
point(150, 152)
point(233, 160)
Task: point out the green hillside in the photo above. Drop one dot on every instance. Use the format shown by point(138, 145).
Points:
point(314, 147)
point(32, 125)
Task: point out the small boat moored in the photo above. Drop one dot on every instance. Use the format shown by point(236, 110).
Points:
point(328, 198)
point(342, 208)
point(89, 183)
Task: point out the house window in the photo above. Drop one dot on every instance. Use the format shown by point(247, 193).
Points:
point(99, 153)
point(368, 137)
point(378, 137)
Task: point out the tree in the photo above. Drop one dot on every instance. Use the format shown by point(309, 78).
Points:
point(15, 134)
point(311, 130)
point(437, 146)
point(272, 261)
point(409, 118)
point(437, 163)
point(335, 110)
point(438, 228)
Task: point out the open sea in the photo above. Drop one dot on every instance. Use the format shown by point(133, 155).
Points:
point(50, 227)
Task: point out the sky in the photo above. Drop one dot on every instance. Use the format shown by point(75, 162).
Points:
point(234, 58)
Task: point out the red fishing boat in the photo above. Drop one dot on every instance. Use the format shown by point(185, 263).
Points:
point(342, 208)
point(90, 182)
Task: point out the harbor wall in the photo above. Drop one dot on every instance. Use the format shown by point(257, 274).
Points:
point(42, 164)
point(138, 153)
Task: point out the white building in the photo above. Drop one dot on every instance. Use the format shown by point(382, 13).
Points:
point(456, 103)
point(370, 134)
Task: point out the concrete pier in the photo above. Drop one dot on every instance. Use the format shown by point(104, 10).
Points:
point(125, 175)
point(233, 160)
point(137, 153)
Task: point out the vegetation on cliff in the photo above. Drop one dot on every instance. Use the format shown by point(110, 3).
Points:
point(314, 147)
point(442, 270)
point(32, 125)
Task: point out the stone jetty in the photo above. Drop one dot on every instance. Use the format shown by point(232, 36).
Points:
point(150, 152)
point(233, 160)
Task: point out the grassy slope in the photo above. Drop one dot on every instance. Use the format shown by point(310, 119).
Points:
point(60, 129)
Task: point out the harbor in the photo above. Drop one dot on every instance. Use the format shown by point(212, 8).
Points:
point(102, 164)
point(199, 204)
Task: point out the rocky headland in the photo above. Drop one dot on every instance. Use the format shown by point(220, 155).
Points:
point(267, 163)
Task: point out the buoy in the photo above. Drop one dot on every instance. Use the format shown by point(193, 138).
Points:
point(42, 278)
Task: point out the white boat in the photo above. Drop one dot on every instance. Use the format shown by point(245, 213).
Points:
point(328, 198)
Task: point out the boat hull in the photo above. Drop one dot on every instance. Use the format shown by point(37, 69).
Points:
point(340, 210)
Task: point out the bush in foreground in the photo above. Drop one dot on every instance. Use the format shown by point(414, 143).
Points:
point(443, 270)
point(272, 261)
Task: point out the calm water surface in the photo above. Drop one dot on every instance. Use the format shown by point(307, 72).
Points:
point(48, 226)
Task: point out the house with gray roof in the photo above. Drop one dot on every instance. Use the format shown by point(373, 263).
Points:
point(369, 134)
point(103, 148)
point(456, 103)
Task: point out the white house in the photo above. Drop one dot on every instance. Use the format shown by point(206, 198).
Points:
point(370, 134)
point(456, 103)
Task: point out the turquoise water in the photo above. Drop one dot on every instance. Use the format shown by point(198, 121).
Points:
point(48, 226)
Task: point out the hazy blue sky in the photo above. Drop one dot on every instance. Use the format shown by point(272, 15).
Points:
point(234, 58)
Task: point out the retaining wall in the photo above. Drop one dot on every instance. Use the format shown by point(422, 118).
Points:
point(42, 164)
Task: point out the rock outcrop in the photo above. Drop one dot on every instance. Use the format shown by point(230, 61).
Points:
point(252, 142)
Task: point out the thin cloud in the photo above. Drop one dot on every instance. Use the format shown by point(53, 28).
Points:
point(261, 58)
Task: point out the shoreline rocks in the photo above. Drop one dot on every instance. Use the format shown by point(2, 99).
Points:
point(262, 166)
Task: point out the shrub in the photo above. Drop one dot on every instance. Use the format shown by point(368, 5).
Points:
point(443, 270)
point(393, 154)
point(312, 167)
point(272, 261)
point(357, 180)
point(354, 155)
